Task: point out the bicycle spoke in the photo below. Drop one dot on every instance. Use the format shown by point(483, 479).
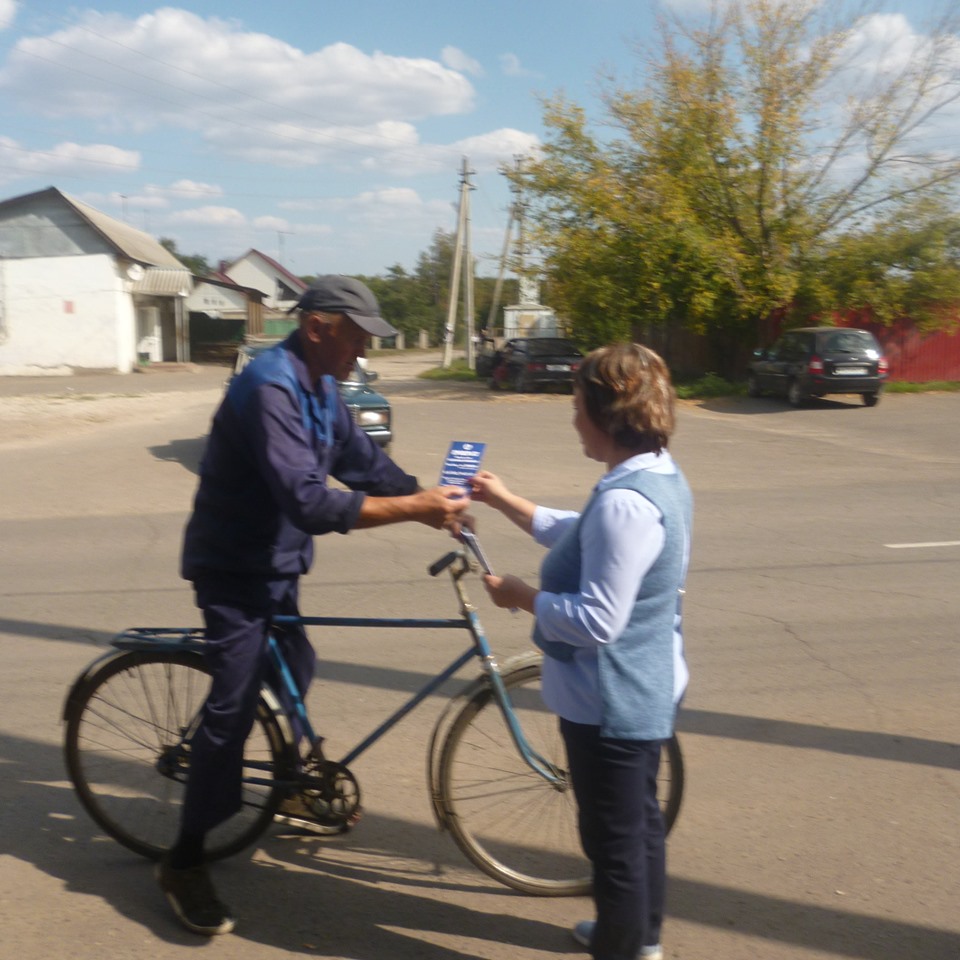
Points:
point(128, 757)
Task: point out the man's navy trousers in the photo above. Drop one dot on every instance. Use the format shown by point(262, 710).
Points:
point(237, 611)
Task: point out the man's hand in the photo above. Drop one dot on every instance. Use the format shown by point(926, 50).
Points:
point(439, 507)
point(442, 508)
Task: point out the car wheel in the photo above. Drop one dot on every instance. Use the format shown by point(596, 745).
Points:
point(521, 384)
point(870, 399)
point(795, 395)
point(753, 389)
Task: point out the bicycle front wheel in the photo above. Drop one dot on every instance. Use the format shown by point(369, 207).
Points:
point(127, 752)
point(509, 821)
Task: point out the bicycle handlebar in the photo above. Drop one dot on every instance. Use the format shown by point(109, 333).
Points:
point(438, 566)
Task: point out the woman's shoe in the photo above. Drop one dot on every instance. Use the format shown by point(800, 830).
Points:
point(583, 934)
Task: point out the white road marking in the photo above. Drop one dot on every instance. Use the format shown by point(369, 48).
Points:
point(932, 543)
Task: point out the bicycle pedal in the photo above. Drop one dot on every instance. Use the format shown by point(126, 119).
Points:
point(312, 826)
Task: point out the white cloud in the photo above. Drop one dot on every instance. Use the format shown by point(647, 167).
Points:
point(397, 204)
point(174, 67)
point(511, 66)
point(271, 223)
point(148, 200)
point(882, 44)
point(8, 12)
point(882, 56)
point(209, 216)
point(289, 146)
point(388, 204)
point(486, 152)
point(191, 188)
point(66, 159)
point(456, 59)
point(388, 147)
point(247, 95)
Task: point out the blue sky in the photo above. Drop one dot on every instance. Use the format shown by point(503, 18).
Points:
point(326, 134)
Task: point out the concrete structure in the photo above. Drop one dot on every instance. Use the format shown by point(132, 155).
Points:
point(82, 291)
point(529, 317)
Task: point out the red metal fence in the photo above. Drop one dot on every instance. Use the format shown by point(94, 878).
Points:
point(918, 357)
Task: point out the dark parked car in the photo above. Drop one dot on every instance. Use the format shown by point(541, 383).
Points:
point(816, 361)
point(370, 410)
point(526, 363)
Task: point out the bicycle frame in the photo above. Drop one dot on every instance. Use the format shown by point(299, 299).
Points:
point(479, 648)
point(132, 713)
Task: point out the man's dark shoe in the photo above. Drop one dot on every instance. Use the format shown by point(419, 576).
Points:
point(190, 892)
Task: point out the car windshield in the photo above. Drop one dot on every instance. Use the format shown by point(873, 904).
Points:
point(850, 341)
point(549, 345)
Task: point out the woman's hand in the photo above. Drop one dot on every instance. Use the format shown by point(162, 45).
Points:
point(488, 488)
point(510, 592)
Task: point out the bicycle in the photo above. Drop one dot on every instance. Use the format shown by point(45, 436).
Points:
point(495, 760)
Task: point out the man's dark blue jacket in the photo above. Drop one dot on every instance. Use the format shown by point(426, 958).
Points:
point(263, 492)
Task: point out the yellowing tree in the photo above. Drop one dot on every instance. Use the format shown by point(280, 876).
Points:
point(763, 134)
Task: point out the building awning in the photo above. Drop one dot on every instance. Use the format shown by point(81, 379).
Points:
point(163, 282)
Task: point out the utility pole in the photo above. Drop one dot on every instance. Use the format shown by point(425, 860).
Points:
point(515, 216)
point(462, 240)
point(468, 282)
point(280, 235)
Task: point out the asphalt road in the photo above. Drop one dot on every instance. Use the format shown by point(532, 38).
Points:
point(820, 730)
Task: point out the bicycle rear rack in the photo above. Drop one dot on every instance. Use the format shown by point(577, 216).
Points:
point(159, 638)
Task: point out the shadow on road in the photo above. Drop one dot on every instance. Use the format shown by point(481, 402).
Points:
point(188, 453)
point(753, 406)
point(324, 897)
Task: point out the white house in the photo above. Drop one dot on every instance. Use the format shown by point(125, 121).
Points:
point(280, 288)
point(82, 291)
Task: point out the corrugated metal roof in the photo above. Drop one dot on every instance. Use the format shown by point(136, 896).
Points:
point(132, 243)
point(164, 282)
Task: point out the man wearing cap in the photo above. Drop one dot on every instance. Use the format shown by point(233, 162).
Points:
point(281, 430)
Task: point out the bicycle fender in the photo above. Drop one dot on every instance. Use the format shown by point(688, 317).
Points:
point(272, 702)
point(119, 650)
point(84, 677)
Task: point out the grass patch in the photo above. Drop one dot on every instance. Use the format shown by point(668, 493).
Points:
point(709, 385)
point(458, 370)
point(932, 386)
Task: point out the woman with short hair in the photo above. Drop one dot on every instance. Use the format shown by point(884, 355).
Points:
point(608, 619)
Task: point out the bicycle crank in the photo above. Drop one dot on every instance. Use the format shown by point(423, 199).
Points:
point(333, 797)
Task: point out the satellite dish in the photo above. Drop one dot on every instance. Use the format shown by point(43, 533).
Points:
point(135, 272)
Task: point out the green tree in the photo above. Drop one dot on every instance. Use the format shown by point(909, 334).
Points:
point(434, 272)
point(196, 263)
point(403, 300)
point(708, 197)
point(907, 265)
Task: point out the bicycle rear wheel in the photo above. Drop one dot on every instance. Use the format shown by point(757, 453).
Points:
point(127, 757)
point(510, 822)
